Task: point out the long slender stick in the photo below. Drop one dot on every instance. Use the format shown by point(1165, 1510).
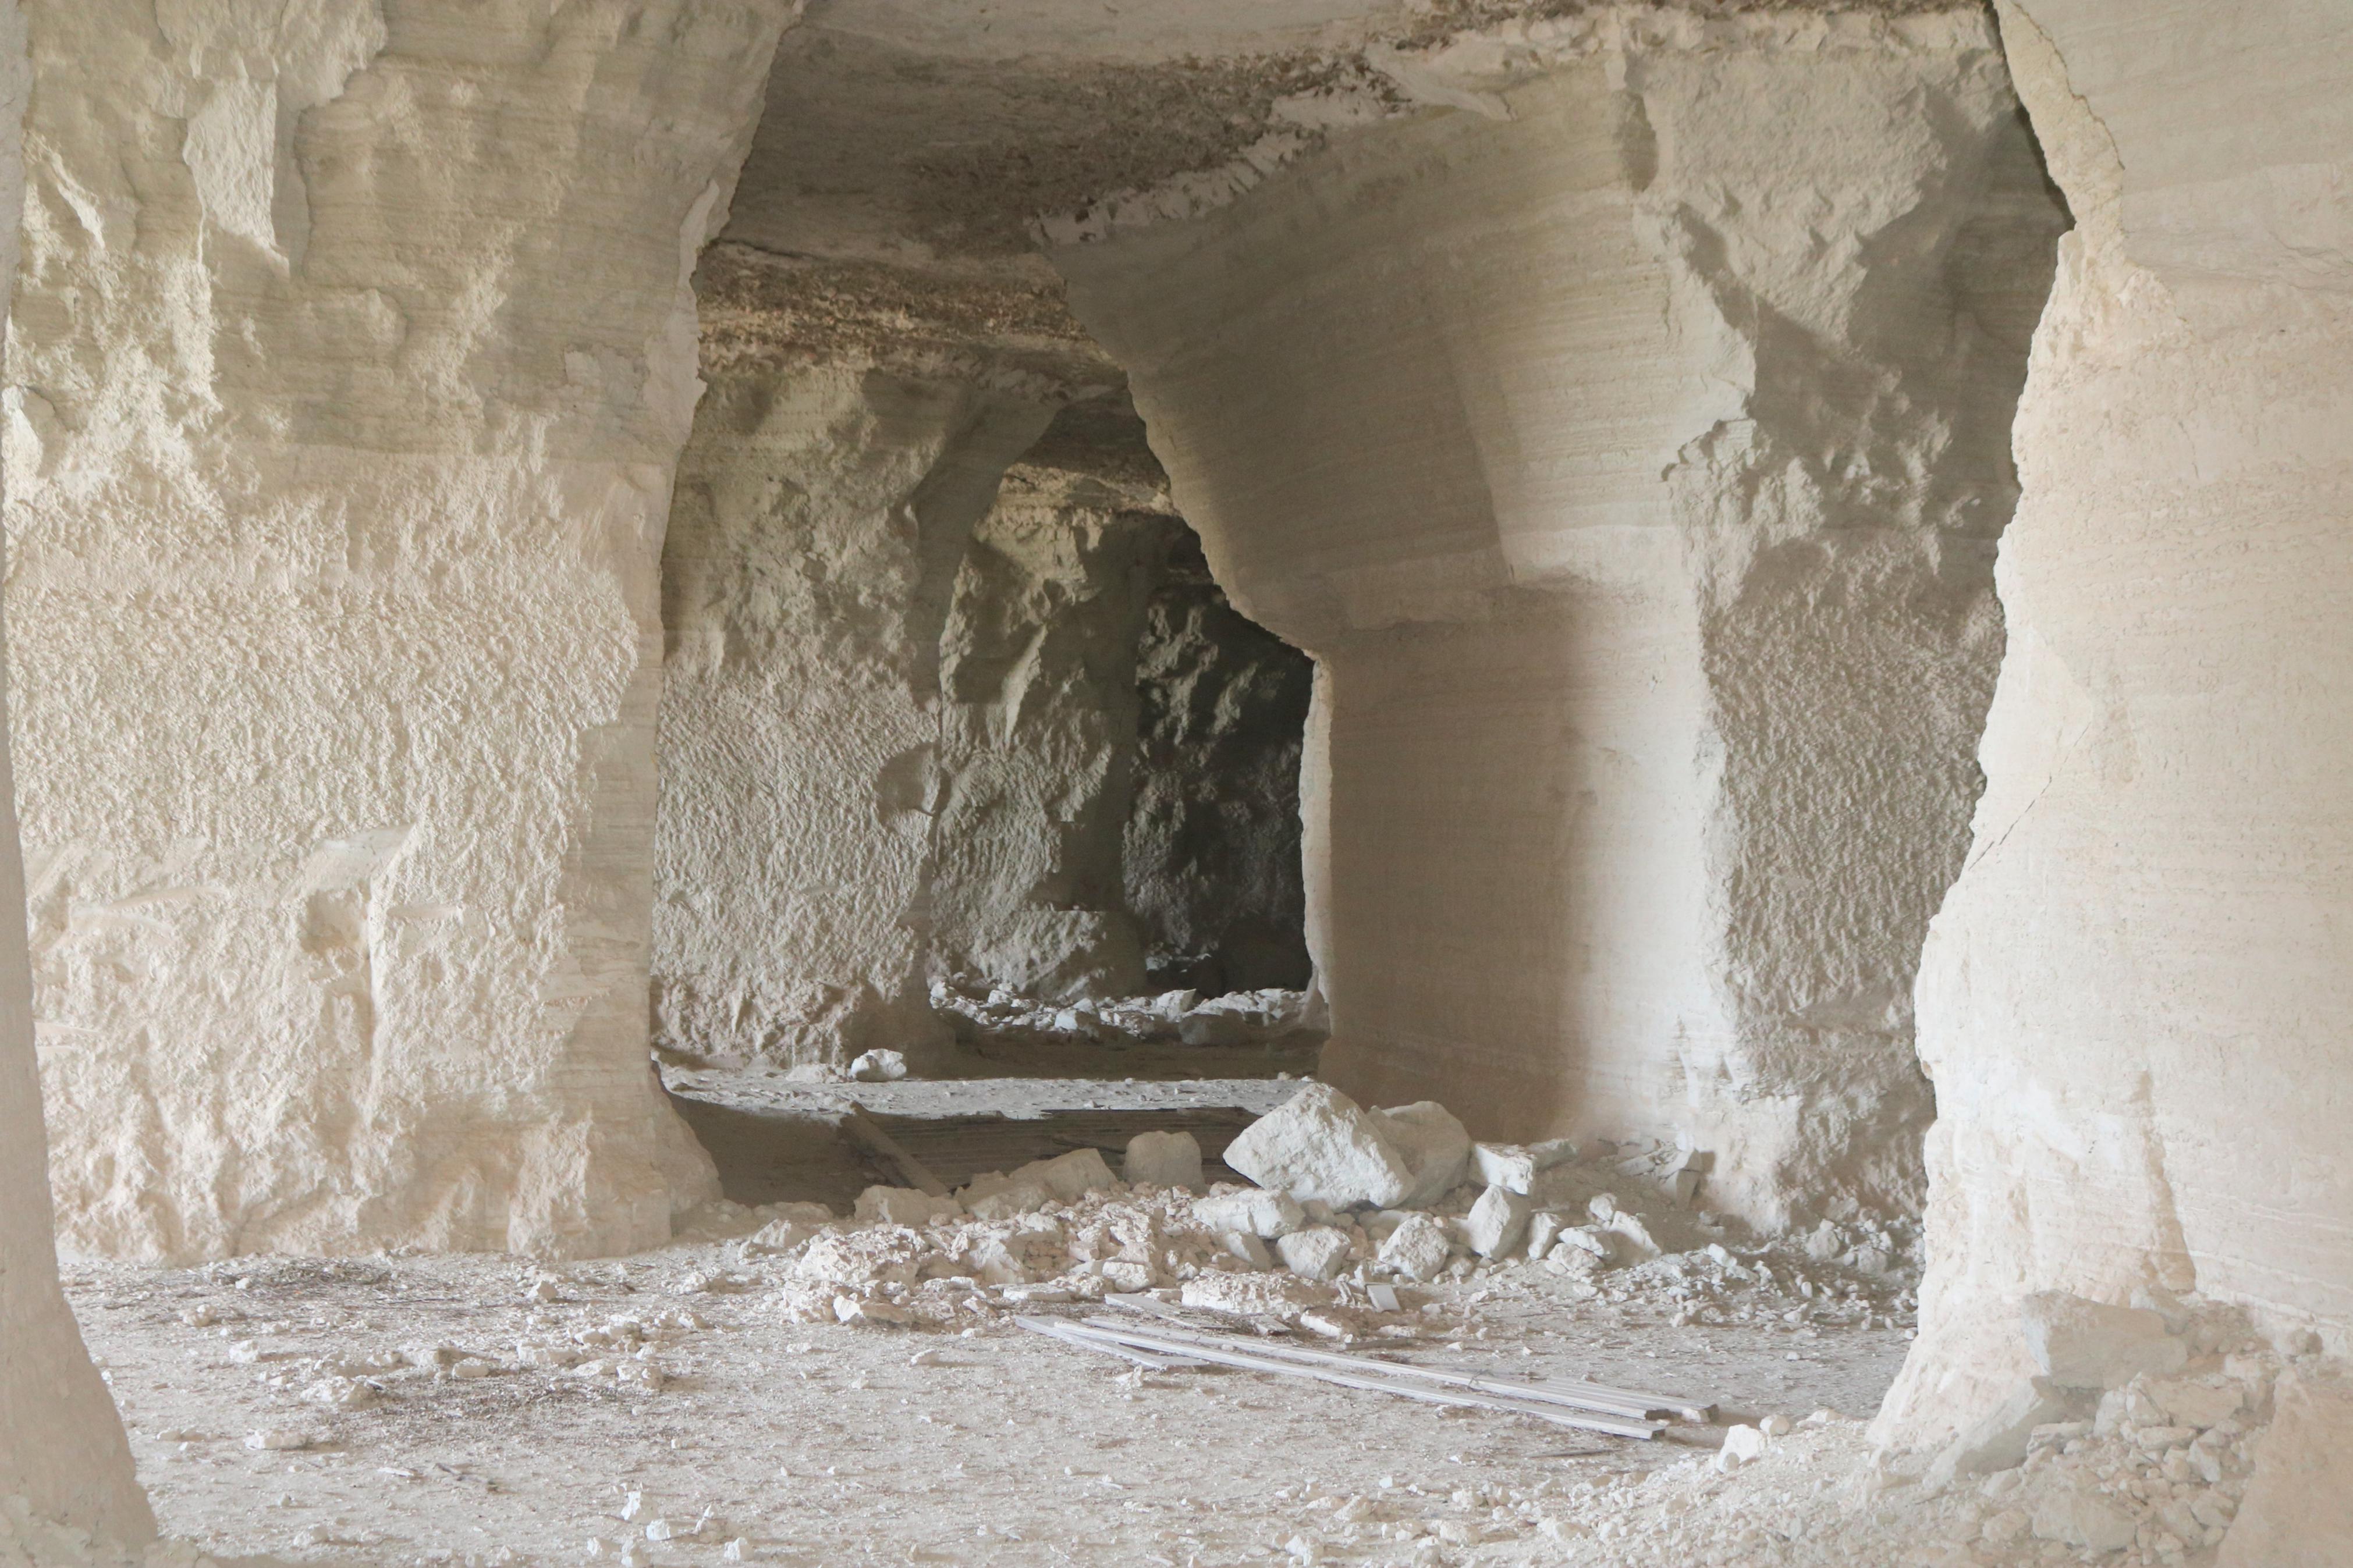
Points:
point(1613, 1401)
point(1370, 1376)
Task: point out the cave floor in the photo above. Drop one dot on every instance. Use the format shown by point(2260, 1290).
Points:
point(827, 1444)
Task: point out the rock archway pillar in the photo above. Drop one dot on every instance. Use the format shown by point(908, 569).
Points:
point(1630, 459)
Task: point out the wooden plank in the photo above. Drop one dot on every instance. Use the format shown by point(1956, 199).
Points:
point(861, 1131)
point(1612, 1402)
point(1374, 1377)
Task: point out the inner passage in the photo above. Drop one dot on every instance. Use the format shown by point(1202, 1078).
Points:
point(970, 775)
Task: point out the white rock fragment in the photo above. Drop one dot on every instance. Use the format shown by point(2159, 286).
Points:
point(1244, 1244)
point(2077, 1517)
point(1741, 1445)
point(904, 1206)
point(2086, 1345)
point(1163, 1159)
point(2000, 1439)
point(776, 1235)
point(850, 1309)
point(1635, 1234)
point(1322, 1144)
point(1509, 1165)
point(1545, 1226)
point(1257, 1213)
point(993, 1195)
point(1434, 1145)
point(1417, 1249)
point(2197, 1402)
point(1497, 1222)
point(1069, 1177)
point(279, 1439)
point(878, 1066)
point(1319, 1252)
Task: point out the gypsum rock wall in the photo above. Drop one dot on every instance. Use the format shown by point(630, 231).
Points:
point(1038, 715)
point(822, 517)
point(1631, 464)
point(350, 360)
point(1122, 807)
point(2133, 1000)
point(62, 1446)
point(1211, 858)
point(870, 781)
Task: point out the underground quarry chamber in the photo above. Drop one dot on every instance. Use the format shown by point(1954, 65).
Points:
point(1445, 783)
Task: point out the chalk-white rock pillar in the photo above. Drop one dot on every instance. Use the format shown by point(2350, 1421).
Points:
point(2135, 1002)
point(1630, 459)
point(353, 353)
point(62, 1448)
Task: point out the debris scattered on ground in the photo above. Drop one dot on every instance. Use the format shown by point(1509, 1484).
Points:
point(980, 1014)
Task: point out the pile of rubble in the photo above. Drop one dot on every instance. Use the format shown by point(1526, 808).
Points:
point(2136, 1437)
point(979, 1013)
point(1351, 1203)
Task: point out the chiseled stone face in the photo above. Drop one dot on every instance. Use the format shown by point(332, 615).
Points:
point(1630, 451)
point(353, 359)
point(62, 1448)
point(2133, 1000)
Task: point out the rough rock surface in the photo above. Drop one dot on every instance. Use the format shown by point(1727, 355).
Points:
point(933, 711)
point(1320, 1145)
point(352, 357)
point(63, 1456)
point(2132, 1001)
point(1629, 452)
point(820, 523)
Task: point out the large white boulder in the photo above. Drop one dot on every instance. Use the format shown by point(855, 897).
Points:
point(1322, 1144)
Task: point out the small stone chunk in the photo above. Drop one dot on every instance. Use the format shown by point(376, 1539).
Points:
point(904, 1205)
point(1741, 1445)
point(1247, 1246)
point(1497, 1222)
point(1163, 1159)
point(2078, 1517)
point(878, 1066)
point(1259, 1212)
point(1417, 1249)
point(1319, 1252)
point(1509, 1165)
point(2086, 1345)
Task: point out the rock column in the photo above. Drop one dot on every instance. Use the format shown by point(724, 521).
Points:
point(1628, 447)
point(353, 353)
point(2134, 1002)
point(62, 1448)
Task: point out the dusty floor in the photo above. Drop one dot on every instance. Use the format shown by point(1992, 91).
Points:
point(823, 1444)
point(678, 1407)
